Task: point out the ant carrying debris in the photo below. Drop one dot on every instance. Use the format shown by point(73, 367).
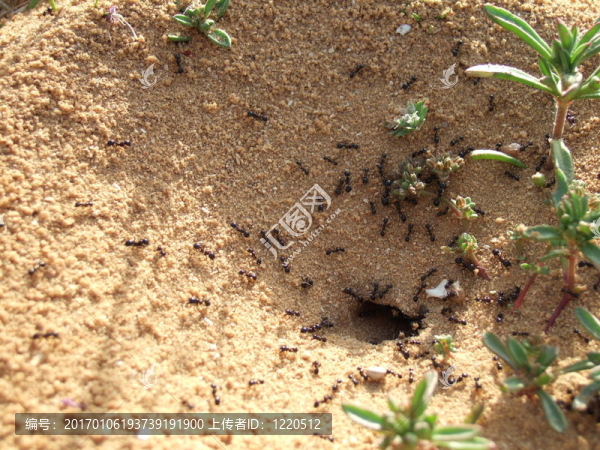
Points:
point(257, 116)
point(356, 70)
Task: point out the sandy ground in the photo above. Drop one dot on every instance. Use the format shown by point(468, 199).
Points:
point(69, 83)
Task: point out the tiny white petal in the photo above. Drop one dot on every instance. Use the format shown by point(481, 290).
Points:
point(439, 291)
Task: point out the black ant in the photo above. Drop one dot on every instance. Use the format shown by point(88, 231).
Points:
point(278, 236)
point(257, 116)
point(304, 169)
point(500, 318)
point(362, 373)
point(178, 61)
point(456, 49)
point(353, 379)
point(251, 275)
point(443, 213)
point(400, 212)
point(285, 348)
point(316, 365)
point(381, 163)
point(306, 283)
point(406, 85)
point(465, 152)
point(45, 335)
point(411, 374)
point(347, 180)
point(200, 247)
point(350, 146)
point(420, 152)
point(410, 228)
point(353, 294)
point(585, 264)
point(328, 159)
point(48, 12)
point(139, 243)
point(355, 71)
point(214, 394)
point(372, 205)
point(197, 301)
point(335, 250)
point(340, 185)
point(161, 252)
point(576, 331)
point(326, 399)
point(478, 385)
point(235, 226)
point(512, 175)
point(430, 232)
point(402, 350)
point(289, 312)
point(492, 106)
point(112, 143)
point(453, 142)
point(479, 211)
point(255, 382)
point(421, 287)
point(81, 204)
point(571, 118)
point(436, 137)
point(455, 320)
point(475, 81)
point(428, 274)
point(384, 225)
point(365, 177)
point(253, 253)
point(319, 338)
point(520, 333)
point(38, 267)
point(505, 262)
point(285, 264)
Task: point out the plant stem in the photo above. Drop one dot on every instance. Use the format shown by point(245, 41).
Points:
point(569, 278)
point(523, 293)
point(559, 119)
point(52, 5)
point(481, 272)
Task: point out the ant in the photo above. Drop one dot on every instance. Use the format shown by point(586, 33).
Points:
point(571, 118)
point(512, 175)
point(384, 225)
point(491, 103)
point(253, 253)
point(38, 267)
point(139, 243)
point(347, 180)
point(500, 318)
point(443, 213)
point(251, 275)
point(372, 205)
point(112, 143)
point(285, 264)
point(411, 377)
point(456, 141)
point(214, 394)
point(304, 169)
point(353, 294)
point(478, 385)
point(340, 185)
point(465, 152)
point(381, 162)
point(436, 137)
point(519, 333)
point(277, 236)
point(197, 301)
point(319, 338)
point(428, 274)
point(335, 250)
point(365, 178)
point(430, 232)
point(289, 312)
point(353, 379)
point(455, 320)
point(306, 283)
point(316, 365)
point(505, 262)
point(326, 399)
point(475, 81)
point(162, 252)
point(285, 348)
point(416, 296)
point(456, 49)
point(541, 163)
point(585, 264)
point(208, 253)
point(406, 85)
point(420, 152)
point(576, 331)
point(178, 61)
point(400, 213)
point(235, 226)
point(402, 350)
point(328, 159)
point(410, 228)
point(254, 382)
point(257, 116)
point(479, 211)
point(44, 335)
point(81, 204)
point(351, 146)
point(358, 69)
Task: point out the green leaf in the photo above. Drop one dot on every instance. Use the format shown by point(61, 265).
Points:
point(455, 433)
point(475, 414)
point(562, 159)
point(508, 73)
point(477, 443)
point(514, 384)
point(364, 417)
point(591, 252)
point(219, 37)
point(518, 353)
point(543, 379)
point(494, 343)
point(547, 356)
point(221, 8)
point(588, 320)
point(32, 4)
point(566, 39)
point(178, 38)
point(542, 233)
point(555, 416)
point(182, 19)
point(496, 156)
point(578, 366)
point(208, 7)
point(562, 187)
point(422, 394)
point(518, 26)
point(594, 357)
point(585, 395)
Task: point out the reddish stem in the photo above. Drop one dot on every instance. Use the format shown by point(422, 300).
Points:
point(523, 293)
point(481, 272)
point(569, 278)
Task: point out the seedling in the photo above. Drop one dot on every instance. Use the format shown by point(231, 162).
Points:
point(466, 246)
point(592, 361)
point(408, 428)
point(114, 17)
point(558, 63)
point(33, 3)
point(444, 346)
point(530, 363)
point(198, 16)
point(413, 116)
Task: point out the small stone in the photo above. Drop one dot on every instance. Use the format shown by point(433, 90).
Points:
point(403, 29)
point(376, 373)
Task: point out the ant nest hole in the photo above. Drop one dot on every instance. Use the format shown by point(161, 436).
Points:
point(375, 323)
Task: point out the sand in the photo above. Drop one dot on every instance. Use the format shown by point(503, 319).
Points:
point(70, 82)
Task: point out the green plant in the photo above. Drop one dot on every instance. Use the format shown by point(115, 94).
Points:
point(558, 63)
point(444, 346)
point(530, 363)
point(497, 156)
point(465, 246)
point(577, 213)
point(592, 361)
point(406, 427)
point(197, 16)
point(413, 116)
point(33, 3)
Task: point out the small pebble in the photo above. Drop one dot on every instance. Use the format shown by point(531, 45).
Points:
point(376, 373)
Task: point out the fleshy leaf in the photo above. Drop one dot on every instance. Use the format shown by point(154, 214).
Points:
point(555, 416)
